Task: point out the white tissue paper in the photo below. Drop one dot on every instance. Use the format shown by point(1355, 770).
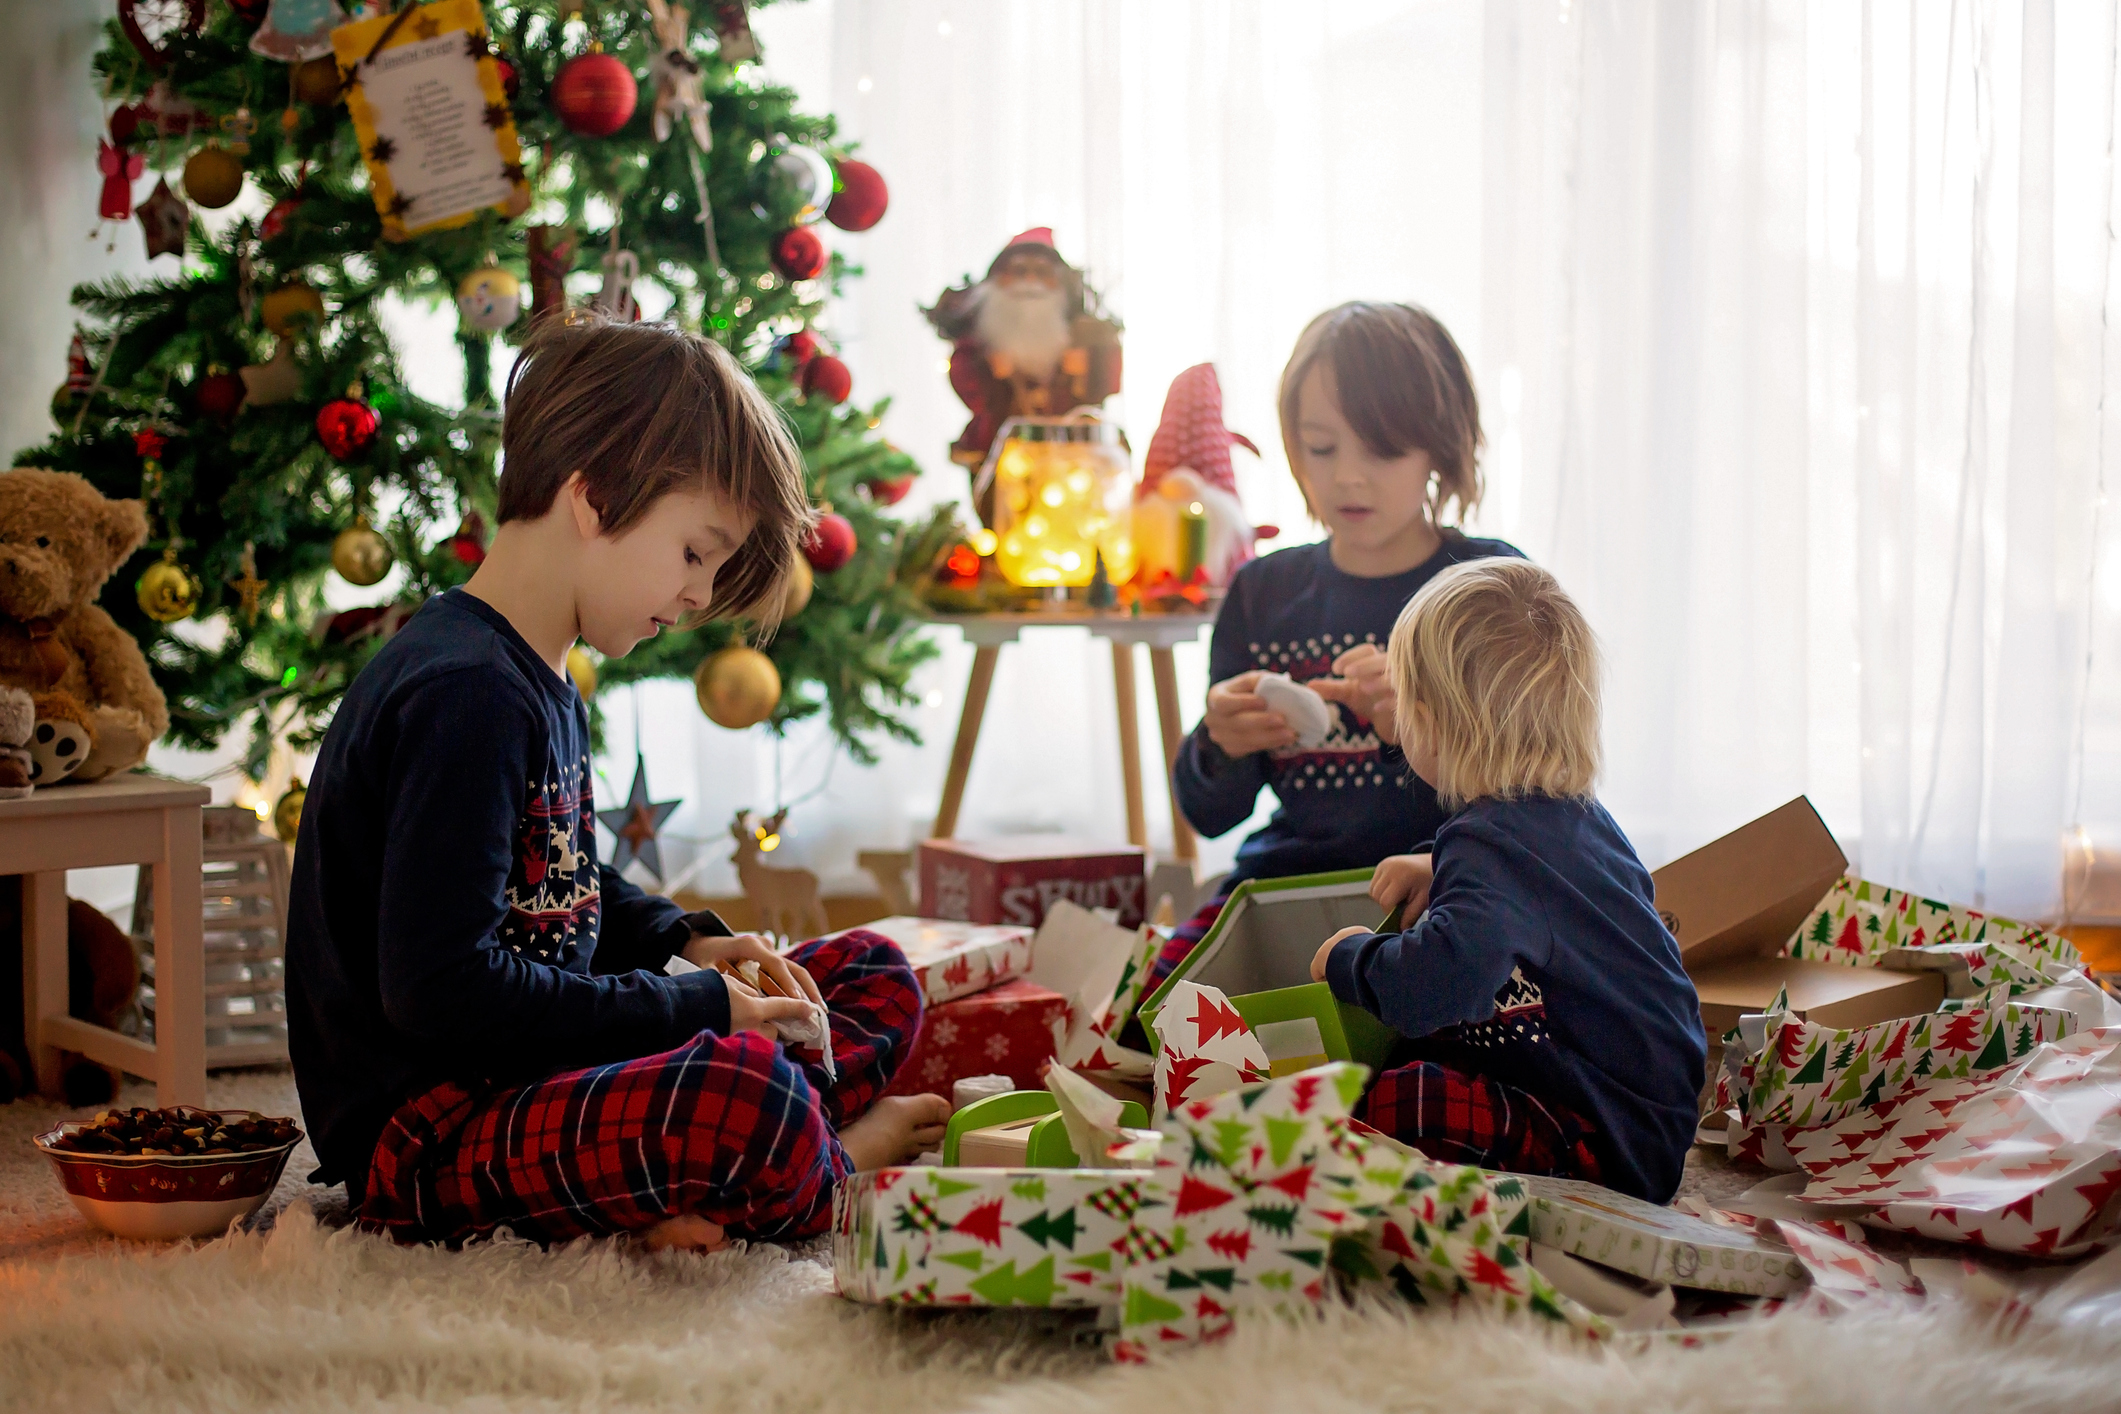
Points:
point(1307, 714)
point(812, 1031)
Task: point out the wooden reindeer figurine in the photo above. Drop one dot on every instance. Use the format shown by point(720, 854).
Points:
point(786, 900)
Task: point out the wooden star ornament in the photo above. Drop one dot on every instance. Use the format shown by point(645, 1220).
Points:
point(637, 822)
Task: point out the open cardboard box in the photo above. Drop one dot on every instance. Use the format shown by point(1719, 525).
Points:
point(1829, 994)
point(1733, 905)
point(1259, 955)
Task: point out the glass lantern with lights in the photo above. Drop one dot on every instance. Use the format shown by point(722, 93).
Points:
point(1063, 495)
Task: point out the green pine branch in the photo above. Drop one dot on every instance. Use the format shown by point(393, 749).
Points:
point(262, 478)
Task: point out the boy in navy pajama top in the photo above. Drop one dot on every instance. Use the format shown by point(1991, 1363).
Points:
point(482, 1028)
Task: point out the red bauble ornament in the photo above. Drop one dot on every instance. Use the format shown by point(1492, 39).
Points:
point(799, 253)
point(799, 348)
point(346, 427)
point(831, 544)
point(891, 492)
point(469, 542)
point(511, 81)
point(861, 199)
point(826, 377)
point(594, 94)
point(220, 395)
point(276, 219)
point(251, 12)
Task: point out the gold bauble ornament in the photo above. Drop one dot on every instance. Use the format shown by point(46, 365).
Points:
point(316, 82)
point(360, 555)
point(213, 177)
point(800, 582)
point(583, 669)
point(287, 811)
point(291, 308)
point(738, 687)
point(168, 591)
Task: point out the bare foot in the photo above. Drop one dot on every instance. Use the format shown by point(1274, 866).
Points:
point(896, 1128)
point(687, 1232)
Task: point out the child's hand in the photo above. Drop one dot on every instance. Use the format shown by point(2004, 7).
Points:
point(1404, 878)
point(1239, 720)
point(789, 979)
point(1362, 682)
point(751, 1011)
point(1325, 949)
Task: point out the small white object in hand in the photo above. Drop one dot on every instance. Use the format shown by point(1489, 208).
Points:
point(813, 1030)
point(1308, 714)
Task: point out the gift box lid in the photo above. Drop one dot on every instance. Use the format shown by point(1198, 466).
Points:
point(955, 959)
point(1021, 849)
point(1743, 895)
point(1657, 1244)
point(1259, 952)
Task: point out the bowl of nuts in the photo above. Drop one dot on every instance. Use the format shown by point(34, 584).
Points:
point(180, 1172)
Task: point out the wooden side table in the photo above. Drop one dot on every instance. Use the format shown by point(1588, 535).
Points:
point(1161, 632)
point(128, 819)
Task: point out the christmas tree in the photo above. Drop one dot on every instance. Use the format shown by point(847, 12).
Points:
point(250, 393)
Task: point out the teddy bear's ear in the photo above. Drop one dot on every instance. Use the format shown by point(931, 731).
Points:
point(124, 527)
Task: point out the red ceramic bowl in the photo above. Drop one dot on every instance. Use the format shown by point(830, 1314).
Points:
point(167, 1196)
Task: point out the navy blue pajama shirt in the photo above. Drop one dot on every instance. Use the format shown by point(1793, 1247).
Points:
point(1351, 801)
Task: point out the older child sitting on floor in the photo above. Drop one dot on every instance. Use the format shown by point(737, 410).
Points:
point(1553, 1029)
point(1382, 430)
point(482, 1030)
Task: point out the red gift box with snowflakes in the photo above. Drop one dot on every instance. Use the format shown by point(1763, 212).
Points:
point(1016, 880)
point(1011, 1030)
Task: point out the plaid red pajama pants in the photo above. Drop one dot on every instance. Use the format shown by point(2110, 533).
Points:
point(1457, 1117)
point(727, 1127)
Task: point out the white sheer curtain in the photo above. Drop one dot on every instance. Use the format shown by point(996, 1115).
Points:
point(1798, 317)
point(1223, 171)
point(1791, 321)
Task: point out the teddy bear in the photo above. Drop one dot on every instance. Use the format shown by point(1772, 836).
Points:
point(18, 724)
point(60, 540)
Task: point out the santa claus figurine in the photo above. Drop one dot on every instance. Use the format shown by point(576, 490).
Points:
point(1028, 340)
point(1187, 477)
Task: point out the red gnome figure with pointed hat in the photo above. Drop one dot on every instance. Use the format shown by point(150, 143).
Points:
point(1189, 526)
point(1031, 339)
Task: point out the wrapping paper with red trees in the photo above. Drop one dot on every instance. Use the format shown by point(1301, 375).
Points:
point(954, 959)
point(2023, 1160)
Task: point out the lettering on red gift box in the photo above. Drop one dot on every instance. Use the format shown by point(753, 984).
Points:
point(1027, 903)
point(953, 894)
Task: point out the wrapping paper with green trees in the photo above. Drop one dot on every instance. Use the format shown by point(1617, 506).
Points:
point(1858, 921)
point(1808, 1076)
point(1265, 1198)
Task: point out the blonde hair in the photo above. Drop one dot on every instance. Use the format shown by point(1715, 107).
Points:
point(1403, 386)
point(1508, 670)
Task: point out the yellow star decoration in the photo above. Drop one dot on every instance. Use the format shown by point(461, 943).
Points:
point(427, 27)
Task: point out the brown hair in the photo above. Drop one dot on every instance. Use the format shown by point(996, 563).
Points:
point(641, 410)
point(1403, 386)
point(1508, 669)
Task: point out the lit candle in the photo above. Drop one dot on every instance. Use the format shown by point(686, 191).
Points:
point(1192, 540)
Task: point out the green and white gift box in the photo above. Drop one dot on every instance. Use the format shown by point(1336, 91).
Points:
point(1657, 1244)
point(1258, 953)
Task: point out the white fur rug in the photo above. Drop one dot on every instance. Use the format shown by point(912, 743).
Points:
point(307, 1316)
